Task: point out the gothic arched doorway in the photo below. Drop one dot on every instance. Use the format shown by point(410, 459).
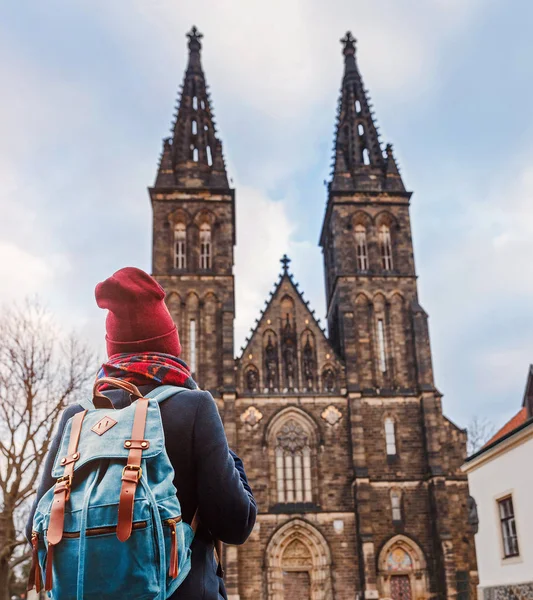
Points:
point(402, 572)
point(298, 563)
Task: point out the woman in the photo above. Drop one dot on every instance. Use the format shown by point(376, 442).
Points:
point(143, 348)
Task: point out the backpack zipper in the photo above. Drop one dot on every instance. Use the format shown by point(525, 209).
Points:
point(35, 568)
point(102, 530)
point(173, 570)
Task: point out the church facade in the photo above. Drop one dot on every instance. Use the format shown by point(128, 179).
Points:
point(355, 468)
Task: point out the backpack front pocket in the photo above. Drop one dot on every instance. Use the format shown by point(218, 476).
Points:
point(111, 566)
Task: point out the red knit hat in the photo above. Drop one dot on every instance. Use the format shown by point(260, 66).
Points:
point(138, 318)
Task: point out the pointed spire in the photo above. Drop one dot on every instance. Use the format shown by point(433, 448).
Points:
point(358, 159)
point(194, 152)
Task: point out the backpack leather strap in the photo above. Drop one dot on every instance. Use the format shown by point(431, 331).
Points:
point(61, 496)
point(101, 401)
point(132, 472)
point(64, 483)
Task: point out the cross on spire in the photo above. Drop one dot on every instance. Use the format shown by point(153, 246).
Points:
point(349, 43)
point(194, 36)
point(285, 260)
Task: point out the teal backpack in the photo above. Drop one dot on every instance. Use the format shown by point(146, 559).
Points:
point(111, 527)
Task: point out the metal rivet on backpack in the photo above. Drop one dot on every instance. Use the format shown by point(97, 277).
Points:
point(143, 444)
point(63, 461)
point(75, 456)
point(128, 444)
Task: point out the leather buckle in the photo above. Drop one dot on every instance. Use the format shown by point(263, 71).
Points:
point(132, 468)
point(67, 479)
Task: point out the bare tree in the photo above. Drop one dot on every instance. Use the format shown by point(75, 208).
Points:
point(480, 430)
point(41, 371)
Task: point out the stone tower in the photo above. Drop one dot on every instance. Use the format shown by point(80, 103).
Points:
point(194, 232)
point(375, 321)
point(355, 469)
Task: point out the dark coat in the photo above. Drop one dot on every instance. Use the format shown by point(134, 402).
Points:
point(207, 475)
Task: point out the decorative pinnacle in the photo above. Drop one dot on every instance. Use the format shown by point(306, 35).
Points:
point(194, 39)
point(285, 262)
point(349, 44)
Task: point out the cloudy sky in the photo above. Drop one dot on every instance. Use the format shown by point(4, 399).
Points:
point(88, 89)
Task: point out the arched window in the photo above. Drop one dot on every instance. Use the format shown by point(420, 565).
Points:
point(180, 246)
point(251, 379)
point(385, 247)
point(293, 463)
point(361, 248)
point(360, 129)
point(357, 106)
point(366, 156)
point(396, 506)
point(328, 379)
point(195, 103)
point(308, 360)
point(194, 127)
point(390, 436)
point(382, 347)
point(205, 246)
point(195, 154)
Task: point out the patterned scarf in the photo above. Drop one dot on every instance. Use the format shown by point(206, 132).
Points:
point(146, 368)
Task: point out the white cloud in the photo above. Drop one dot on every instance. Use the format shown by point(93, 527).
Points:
point(24, 274)
point(478, 287)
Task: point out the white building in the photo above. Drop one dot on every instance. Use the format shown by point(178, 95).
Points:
point(500, 477)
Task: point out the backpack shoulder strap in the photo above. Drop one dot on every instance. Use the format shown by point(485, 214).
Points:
point(161, 393)
point(86, 404)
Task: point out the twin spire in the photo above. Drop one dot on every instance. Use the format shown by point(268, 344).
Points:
point(358, 161)
point(192, 157)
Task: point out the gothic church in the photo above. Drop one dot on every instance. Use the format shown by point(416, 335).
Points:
point(353, 464)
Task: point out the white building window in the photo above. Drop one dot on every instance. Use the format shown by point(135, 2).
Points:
point(390, 437)
point(385, 247)
point(382, 347)
point(361, 248)
point(396, 505)
point(192, 346)
point(508, 527)
point(293, 464)
point(205, 246)
point(180, 246)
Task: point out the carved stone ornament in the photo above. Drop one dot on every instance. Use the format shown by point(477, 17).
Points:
point(297, 555)
point(332, 415)
point(292, 437)
point(251, 416)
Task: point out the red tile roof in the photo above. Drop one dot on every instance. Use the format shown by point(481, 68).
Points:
point(519, 419)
